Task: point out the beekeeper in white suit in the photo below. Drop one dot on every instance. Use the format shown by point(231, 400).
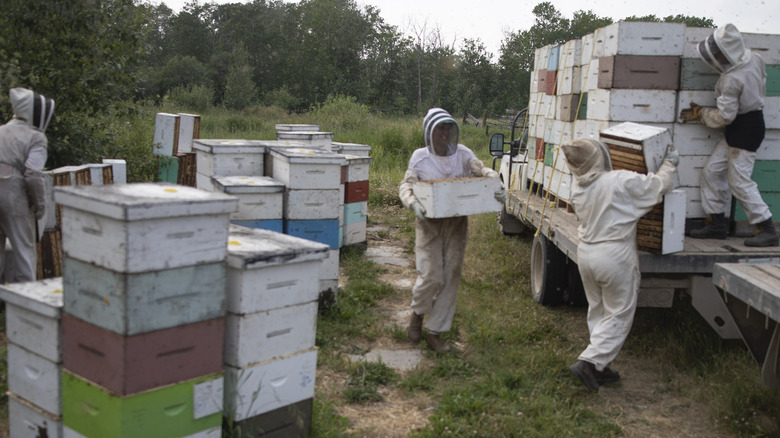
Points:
point(608, 203)
point(22, 189)
point(440, 244)
point(739, 96)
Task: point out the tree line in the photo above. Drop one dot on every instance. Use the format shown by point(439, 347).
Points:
point(100, 59)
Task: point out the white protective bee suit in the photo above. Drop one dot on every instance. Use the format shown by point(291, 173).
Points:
point(440, 244)
point(608, 204)
point(22, 200)
point(739, 95)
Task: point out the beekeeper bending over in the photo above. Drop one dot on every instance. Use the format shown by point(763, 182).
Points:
point(440, 244)
point(608, 204)
point(739, 96)
point(22, 189)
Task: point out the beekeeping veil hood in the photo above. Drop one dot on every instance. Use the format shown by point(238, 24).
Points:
point(587, 159)
point(435, 117)
point(31, 107)
point(724, 50)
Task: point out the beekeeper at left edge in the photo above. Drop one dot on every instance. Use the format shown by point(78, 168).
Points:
point(22, 181)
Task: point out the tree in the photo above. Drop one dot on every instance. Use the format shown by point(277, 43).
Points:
point(240, 90)
point(82, 53)
point(688, 20)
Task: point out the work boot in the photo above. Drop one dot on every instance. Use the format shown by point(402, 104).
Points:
point(414, 331)
point(586, 372)
point(716, 227)
point(607, 376)
point(764, 234)
point(436, 343)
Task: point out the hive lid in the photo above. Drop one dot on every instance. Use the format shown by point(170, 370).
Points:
point(141, 201)
point(247, 184)
point(43, 297)
point(296, 127)
point(234, 146)
point(250, 248)
point(303, 135)
point(308, 156)
point(357, 159)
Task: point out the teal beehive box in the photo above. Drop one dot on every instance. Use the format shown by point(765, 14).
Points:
point(773, 80)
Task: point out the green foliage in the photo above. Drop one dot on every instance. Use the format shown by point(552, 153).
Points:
point(196, 98)
point(679, 18)
point(364, 379)
point(326, 423)
point(179, 72)
point(342, 113)
point(240, 90)
point(282, 98)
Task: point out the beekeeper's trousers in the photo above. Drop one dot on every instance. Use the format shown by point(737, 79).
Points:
point(17, 222)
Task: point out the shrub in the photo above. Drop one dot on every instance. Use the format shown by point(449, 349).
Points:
point(196, 97)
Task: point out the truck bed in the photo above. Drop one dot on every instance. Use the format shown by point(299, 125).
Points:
point(699, 256)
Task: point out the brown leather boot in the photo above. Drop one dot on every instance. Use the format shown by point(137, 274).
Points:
point(414, 331)
point(436, 343)
point(716, 227)
point(764, 235)
point(586, 372)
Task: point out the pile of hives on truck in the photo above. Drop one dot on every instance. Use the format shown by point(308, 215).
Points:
point(643, 73)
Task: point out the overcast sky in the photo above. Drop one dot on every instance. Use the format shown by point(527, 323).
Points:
point(490, 20)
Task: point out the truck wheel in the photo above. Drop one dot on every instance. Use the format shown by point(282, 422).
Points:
point(548, 272)
point(575, 291)
point(509, 225)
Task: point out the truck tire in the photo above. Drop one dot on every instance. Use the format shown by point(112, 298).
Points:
point(509, 225)
point(575, 291)
point(548, 272)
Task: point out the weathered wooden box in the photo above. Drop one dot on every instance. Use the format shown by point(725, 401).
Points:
point(34, 378)
point(356, 192)
point(568, 105)
point(131, 364)
point(268, 270)
point(130, 304)
point(639, 72)
point(191, 408)
point(26, 420)
point(307, 204)
point(270, 385)
point(144, 227)
point(256, 337)
point(569, 81)
point(357, 168)
point(329, 269)
point(458, 196)
point(312, 139)
point(189, 130)
point(319, 230)
point(590, 76)
point(640, 38)
point(259, 197)
point(355, 212)
point(229, 157)
point(354, 233)
point(696, 139)
point(360, 150)
point(166, 134)
point(293, 420)
point(648, 142)
point(654, 106)
point(32, 316)
point(696, 74)
point(571, 53)
point(766, 45)
point(299, 168)
point(553, 58)
point(558, 183)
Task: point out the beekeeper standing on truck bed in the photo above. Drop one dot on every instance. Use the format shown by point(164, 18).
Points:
point(440, 244)
point(22, 188)
point(608, 204)
point(739, 95)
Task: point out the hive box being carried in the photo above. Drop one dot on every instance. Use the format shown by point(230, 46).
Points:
point(458, 196)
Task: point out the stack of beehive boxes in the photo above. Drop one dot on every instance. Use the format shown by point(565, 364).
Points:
point(270, 357)
point(173, 139)
point(144, 281)
point(644, 73)
point(32, 325)
point(354, 186)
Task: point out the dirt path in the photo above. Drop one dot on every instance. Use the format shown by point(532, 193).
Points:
point(644, 405)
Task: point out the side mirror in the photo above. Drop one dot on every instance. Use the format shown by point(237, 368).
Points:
point(497, 145)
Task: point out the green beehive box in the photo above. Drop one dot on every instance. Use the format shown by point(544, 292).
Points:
point(767, 175)
point(773, 80)
point(182, 409)
point(168, 169)
point(549, 154)
point(582, 113)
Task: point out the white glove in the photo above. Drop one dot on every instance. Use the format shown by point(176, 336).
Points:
point(418, 209)
point(672, 156)
point(500, 195)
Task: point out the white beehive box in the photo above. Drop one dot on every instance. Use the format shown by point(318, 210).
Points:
point(361, 150)
point(772, 112)
point(569, 81)
point(35, 379)
point(651, 106)
point(189, 130)
point(693, 208)
point(640, 38)
point(26, 420)
point(458, 196)
point(354, 233)
point(571, 53)
point(259, 197)
point(299, 168)
point(229, 157)
point(766, 45)
point(267, 386)
point(118, 168)
point(700, 97)
point(304, 204)
point(696, 139)
point(268, 270)
point(312, 139)
point(357, 168)
point(286, 127)
point(166, 134)
point(130, 304)
point(587, 48)
point(32, 316)
point(135, 228)
point(329, 269)
point(693, 36)
point(690, 169)
point(590, 76)
point(770, 147)
point(651, 140)
point(674, 222)
point(268, 334)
